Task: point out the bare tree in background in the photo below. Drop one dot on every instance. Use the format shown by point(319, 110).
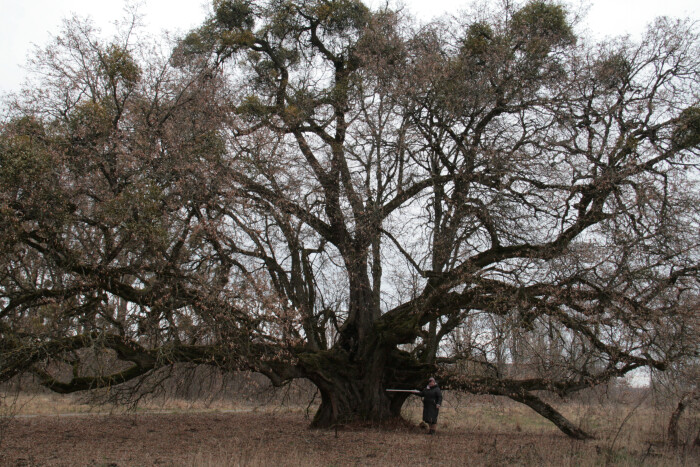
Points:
point(316, 190)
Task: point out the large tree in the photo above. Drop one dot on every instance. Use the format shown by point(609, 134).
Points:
point(311, 189)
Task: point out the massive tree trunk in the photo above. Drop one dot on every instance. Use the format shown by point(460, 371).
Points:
point(351, 377)
point(347, 401)
point(350, 390)
point(353, 382)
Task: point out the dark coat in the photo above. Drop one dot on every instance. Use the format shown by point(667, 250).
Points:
point(432, 397)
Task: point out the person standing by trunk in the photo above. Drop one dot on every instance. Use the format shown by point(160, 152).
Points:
point(432, 399)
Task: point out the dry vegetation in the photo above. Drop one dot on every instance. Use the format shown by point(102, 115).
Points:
point(630, 430)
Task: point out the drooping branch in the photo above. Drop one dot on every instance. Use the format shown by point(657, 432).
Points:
point(518, 391)
point(21, 354)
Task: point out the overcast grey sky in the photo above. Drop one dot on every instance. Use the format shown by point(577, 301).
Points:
point(27, 22)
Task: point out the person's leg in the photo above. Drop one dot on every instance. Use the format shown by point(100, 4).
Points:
point(432, 428)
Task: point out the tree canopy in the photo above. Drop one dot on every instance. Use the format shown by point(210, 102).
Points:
point(317, 190)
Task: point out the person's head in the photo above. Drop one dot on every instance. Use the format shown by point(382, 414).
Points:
point(432, 382)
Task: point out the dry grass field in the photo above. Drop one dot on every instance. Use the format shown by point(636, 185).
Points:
point(52, 430)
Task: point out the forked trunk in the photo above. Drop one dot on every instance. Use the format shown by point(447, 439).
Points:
point(352, 376)
point(683, 403)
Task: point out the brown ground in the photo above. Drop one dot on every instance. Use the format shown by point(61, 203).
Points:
point(213, 439)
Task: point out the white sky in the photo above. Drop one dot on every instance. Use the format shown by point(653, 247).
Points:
point(27, 22)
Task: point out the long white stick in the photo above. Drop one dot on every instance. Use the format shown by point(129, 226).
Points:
point(412, 391)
